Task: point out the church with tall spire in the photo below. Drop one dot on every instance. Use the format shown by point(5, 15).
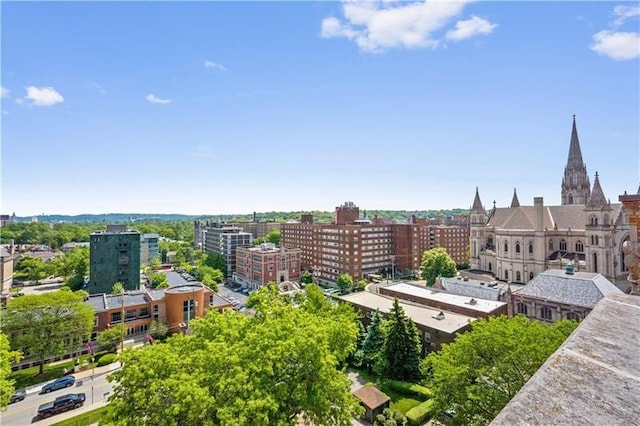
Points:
point(517, 242)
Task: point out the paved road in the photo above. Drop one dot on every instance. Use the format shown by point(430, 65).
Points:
point(24, 412)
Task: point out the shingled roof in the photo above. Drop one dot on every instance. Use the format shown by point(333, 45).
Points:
point(583, 289)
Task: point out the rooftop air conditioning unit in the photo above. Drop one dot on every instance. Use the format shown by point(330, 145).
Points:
point(439, 316)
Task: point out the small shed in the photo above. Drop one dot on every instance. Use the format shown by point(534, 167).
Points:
point(373, 400)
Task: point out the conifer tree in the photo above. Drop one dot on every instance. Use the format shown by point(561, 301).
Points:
point(399, 357)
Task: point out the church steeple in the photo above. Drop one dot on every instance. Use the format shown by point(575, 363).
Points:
point(477, 204)
point(597, 200)
point(514, 201)
point(576, 188)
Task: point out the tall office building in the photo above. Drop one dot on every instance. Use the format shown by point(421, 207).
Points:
point(115, 257)
point(224, 240)
point(149, 248)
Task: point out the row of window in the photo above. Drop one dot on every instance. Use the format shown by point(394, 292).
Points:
point(579, 246)
point(545, 312)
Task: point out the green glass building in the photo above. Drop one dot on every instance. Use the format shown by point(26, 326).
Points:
point(115, 257)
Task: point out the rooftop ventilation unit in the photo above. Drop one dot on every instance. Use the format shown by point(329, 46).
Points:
point(439, 316)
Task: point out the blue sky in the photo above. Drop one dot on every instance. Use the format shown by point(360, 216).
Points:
point(235, 107)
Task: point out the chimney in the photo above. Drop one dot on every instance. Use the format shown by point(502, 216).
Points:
point(539, 210)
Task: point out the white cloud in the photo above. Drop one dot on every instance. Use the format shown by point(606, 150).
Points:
point(617, 45)
point(156, 100)
point(623, 13)
point(214, 65)
point(4, 92)
point(42, 96)
point(376, 26)
point(470, 28)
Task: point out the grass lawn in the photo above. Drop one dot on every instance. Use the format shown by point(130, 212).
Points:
point(399, 401)
point(84, 419)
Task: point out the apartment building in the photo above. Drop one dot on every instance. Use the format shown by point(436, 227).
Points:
point(149, 248)
point(224, 240)
point(258, 266)
point(114, 257)
point(359, 247)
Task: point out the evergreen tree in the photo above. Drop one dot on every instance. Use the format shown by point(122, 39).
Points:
point(373, 342)
point(399, 357)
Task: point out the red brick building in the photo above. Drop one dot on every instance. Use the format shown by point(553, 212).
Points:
point(257, 266)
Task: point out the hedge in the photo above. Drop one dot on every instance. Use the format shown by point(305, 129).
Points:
point(107, 359)
point(419, 414)
point(408, 388)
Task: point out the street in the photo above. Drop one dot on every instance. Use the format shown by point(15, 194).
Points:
point(24, 412)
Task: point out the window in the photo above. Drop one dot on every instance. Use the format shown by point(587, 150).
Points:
point(530, 247)
point(579, 246)
point(573, 316)
point(489, 266)
point(522, 309)
point(188, 310)
point(550, 245)
point(506, 247)
point(518, 247)
point(130, 315)
point(571, 197)
point(545, 313)
point(563, 245)
point(144, 313)
point(530, 276)
point(595, 262)
point(506, 275)
point(116, 317)
point(518, 277)
point(155, 312)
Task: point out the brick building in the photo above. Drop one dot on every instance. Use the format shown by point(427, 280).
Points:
point(257, 266)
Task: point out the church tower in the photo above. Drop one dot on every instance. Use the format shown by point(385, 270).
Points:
point(599, 232)
point(576, 188)
point(478, 219)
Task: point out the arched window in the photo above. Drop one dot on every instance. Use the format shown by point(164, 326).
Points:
point(530, 276)
point(595, 262)
point(563, 245)
point(605, 219)
point(594, 220)
point(522, 308)
point(506, 247)
point(518, 247)
point(579, 246)
point(530, 247)
point(489, 266)
point(570, 198)
point(518, 277)
point(545, 313)
point(506, 275)
point(550, 245)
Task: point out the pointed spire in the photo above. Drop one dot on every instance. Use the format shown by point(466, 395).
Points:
point(477, 204)
point(597, 198)
point(514, 200)
point(575, 154)
point(637, 193)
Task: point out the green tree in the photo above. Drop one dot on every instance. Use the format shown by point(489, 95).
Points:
point(345, 281)
point(49, 324)
point(109, 338)
point(435, 263)
point(361, 284)
point(159, 281)
point(373, 342)
point(475, 376)
point(399, 357)
point(158, 329)
point(32, 268)
point(117, 288)
point(273, 236)
point(306, 277)
point(216, 261)
point(277, 367)
point(6, 358)
point(72, 267)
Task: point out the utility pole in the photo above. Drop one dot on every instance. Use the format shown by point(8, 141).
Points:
point(122, 320)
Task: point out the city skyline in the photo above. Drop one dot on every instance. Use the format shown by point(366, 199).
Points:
point(210, 108)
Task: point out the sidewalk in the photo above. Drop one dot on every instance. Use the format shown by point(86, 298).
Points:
point(69, 414)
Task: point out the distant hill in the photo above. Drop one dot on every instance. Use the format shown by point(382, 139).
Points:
point(319, 216)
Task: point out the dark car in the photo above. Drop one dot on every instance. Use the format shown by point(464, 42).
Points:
point(18, 395)
point(62, 382)
point(61, 404)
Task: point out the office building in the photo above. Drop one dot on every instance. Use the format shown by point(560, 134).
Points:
point(114, 257)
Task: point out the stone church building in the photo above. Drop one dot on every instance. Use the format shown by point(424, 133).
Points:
point(516, 243)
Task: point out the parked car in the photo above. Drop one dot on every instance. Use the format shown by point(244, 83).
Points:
point(61, 404)
point(18, 395)
point(62, 382)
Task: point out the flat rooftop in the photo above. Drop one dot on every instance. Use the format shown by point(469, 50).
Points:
point(481, 305)
point(592, 379)
point(420, 315)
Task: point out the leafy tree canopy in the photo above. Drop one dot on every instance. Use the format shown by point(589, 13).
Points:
point(48, 324)
point(475, 376)
point(278, 367)
point(7, 356)
point(345, 281)
point(435, 263)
